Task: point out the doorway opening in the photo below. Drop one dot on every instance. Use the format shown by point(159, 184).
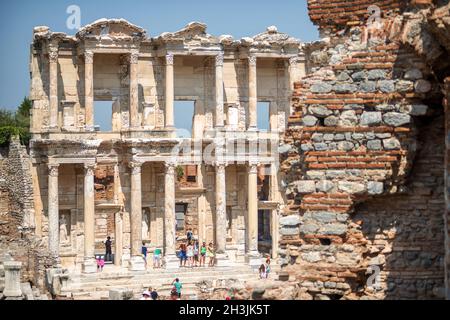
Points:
point(103, 113)
point(263, 116)
point(180, 214)
point(264, 235)
point(184, 111)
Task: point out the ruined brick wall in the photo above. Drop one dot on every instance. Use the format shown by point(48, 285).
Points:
point(334, 15)
point(447, 186)
point(17, 238)
point(355, 143)
point(403, 233)
point(15, 170)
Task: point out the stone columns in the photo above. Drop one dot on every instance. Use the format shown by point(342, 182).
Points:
point(12, 279)
point(275, 197)
point(252, 229)
point(118, 235)
point(169, 206)
point(219, 91)
point(169, 91)
point(53, 210)
point(252, 93)
point(134, 90)
point(137, 263)
point(53, 85)
point(89, 89)
point(89, 264)
point(221, 208)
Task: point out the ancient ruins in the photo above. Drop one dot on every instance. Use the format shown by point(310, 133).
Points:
point(347, 191)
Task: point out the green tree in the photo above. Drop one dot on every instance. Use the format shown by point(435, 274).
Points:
point(16, 123)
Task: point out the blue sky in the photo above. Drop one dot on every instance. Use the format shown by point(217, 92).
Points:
point(239, 18)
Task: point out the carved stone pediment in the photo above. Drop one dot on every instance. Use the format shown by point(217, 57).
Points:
point(194, 31)
point(271, 37)
point(112, 28)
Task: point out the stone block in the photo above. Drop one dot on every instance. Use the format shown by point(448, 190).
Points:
point(396, 119)
point(320, 111)
point(309, 121)
point(324, 186)
point(371, 118)
point(348, 118)
point(375, 188)
point(120, 294)
point(321, 87)
point(289, 231)
point(386, 86)
point(306, 186)
point(351, 187)
point(335, 229)
point(292, 221)
point(391, 144)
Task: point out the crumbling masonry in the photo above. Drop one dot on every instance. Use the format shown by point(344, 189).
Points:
point(365, 154)
point(360, 207)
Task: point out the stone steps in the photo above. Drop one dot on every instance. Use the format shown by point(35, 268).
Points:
point(150, 281)
point(97, 286)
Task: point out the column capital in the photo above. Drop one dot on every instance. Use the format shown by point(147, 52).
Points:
point(89, 169)
point(170, 165)
point(53, 169)
point(252, 61)
point(169, 59)
point(133, 57)
point(135, 167)
point(219, 60)
point(220, 165)
point(293, 61)
point(53, 54)
point(253, 167)
point(88, 56)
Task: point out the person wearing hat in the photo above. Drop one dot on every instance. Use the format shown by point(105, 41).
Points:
point(146, 295)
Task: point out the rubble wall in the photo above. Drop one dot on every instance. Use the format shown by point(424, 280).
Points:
point(364, 160)
point(17, 239)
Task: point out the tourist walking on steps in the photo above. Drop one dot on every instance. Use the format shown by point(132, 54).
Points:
point(267, 267)
point(203, 250)
point(196, 250)
point(190, 254)
point(155, 294)
point(108, 250)
point(262, 271)
point(189, 235)
point(211, 255)
point(183, 256)
point(100, 263)
point(157, 258)
point(144, 251)
point(146, 295)
point(177, 286)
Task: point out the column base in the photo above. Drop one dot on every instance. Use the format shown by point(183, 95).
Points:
point(89, 265)
point(171, 261)
point(223, 260)
point(137, 263)
point(253, 259)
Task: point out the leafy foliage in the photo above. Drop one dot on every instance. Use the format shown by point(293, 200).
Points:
point(180, 172)
point(16, 124)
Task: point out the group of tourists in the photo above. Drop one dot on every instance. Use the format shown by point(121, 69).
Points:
point(157, 253)
point(195, 255)
point(264, 269)
point(175, 293)
point(150, 294)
